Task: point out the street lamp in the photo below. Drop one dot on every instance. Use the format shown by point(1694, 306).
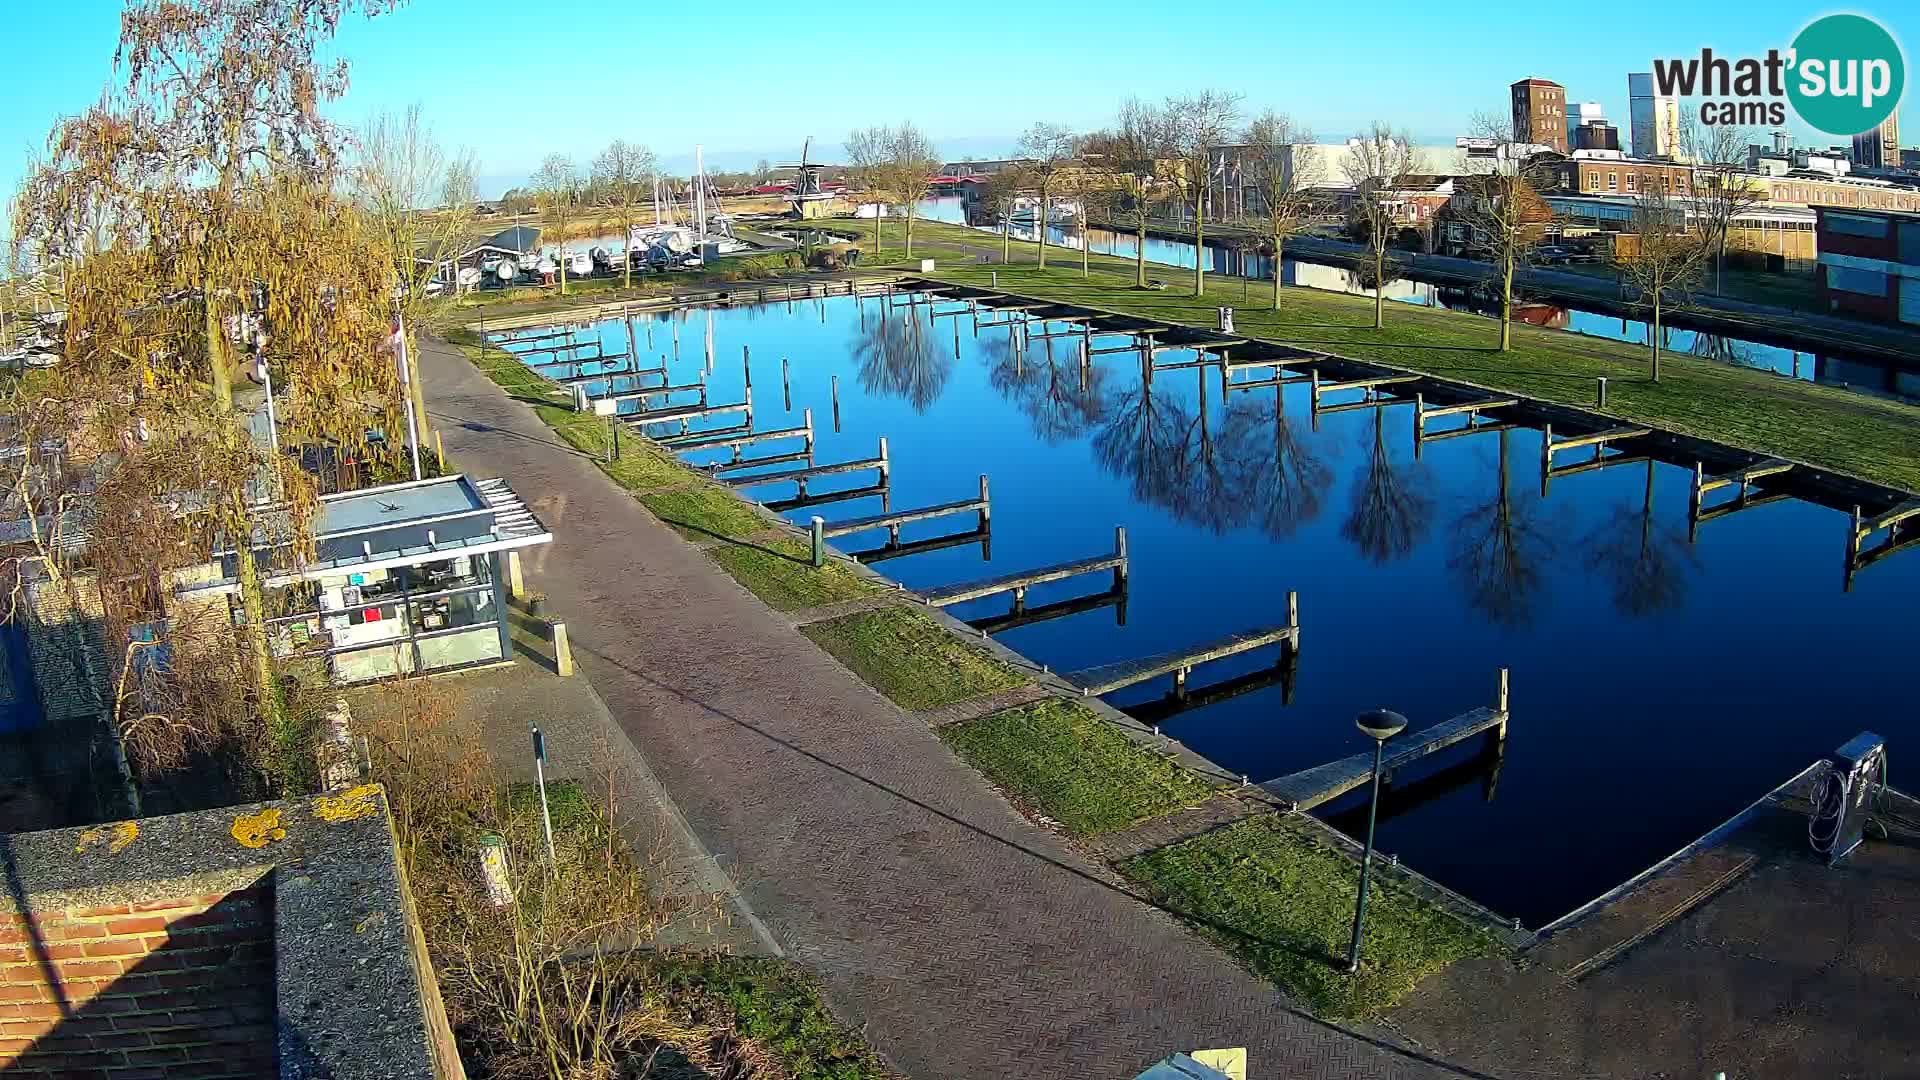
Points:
point(1379, 725)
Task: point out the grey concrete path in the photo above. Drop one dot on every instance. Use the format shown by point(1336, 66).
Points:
point(963, 940)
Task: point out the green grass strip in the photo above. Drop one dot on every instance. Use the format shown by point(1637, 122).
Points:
point(779, 1008)
point(1283, 900)
point(785, 579)
point(1060, 759)
point(910, 658)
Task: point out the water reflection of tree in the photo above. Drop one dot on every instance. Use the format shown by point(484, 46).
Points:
point(1725, 350)
point(1501, 549)
point(1162, 447)
point(1061, 399)
point(1644, 562)
point(897, 358)
point(1389, 514)
point(1285, 481)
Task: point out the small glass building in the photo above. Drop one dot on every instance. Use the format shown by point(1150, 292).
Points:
point(409, 577)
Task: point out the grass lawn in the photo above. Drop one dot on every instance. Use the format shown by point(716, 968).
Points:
point(1283, 902)
point(785, 579)
point(1060, 759)
point(705, 511)
point(910, 658)
point(778, 1008)
point(1871, 438)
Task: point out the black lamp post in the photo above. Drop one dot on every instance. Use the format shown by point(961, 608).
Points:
point(1380, 725)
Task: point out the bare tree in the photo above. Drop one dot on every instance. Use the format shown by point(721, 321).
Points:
point(421, 204)
point(868, 156)
point(193, 216)
point(1665, 258)
point(1050, 150)
point(1132, 158)
point(910, 164)
point(624, 174)
point(998, 194)
point(1723, 190)
point(1286, 176)
point(1502, 206)
point(558, 185)
point(1195, 127)
point(1377, 166)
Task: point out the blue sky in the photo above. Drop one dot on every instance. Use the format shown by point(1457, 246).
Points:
point(515, 81)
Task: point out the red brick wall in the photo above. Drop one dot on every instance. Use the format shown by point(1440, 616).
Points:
point(157, 991)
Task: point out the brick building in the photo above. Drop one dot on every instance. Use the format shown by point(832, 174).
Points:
point(1869, 264)
point(271, 940)
point(1610, 175)
point(1540, 113)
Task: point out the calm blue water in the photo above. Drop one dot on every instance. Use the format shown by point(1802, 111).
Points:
point(1833, 370)
point(1658, 687)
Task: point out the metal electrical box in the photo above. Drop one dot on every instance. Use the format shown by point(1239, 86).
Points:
point(1859, 767)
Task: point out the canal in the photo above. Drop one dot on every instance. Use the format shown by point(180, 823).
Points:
point(1658, 685)
point(1862, 374)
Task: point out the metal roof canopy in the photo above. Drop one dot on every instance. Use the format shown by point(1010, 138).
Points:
point(405, 524)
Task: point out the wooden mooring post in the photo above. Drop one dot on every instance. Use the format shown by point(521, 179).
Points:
point(786, 383)
point(834, 382)
point(1697, 509)
point(1470, 409)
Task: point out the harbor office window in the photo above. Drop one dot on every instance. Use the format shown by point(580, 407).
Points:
point(373, 624)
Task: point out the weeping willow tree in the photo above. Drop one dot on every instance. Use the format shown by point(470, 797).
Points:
point(195, 223)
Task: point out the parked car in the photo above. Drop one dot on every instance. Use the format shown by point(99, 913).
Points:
point(1552, 254)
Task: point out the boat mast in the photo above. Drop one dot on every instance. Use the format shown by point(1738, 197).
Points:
point(700, 197)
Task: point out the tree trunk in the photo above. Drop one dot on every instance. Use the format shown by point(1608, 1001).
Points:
point(1278, 261)
point(1086, 241)
point(909, 230)
point(1379, 286)
point(1006, 237)
point(1140, 251)
point(1654, 337)
point(1200, 244)
point(1506, 302)
point(563, 256)
point(1040, 228)
point(246, 569)
point(877, 208)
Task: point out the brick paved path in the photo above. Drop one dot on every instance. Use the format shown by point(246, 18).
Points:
point(964, 941)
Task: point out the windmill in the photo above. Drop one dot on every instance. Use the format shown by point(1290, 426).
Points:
point(810, 197)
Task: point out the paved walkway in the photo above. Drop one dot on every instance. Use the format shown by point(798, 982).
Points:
point(964, 941)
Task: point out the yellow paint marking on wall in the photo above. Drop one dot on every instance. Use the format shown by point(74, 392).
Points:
point(349, 805)
point(116, 837)
point(258, 830)
point(1232, 1061)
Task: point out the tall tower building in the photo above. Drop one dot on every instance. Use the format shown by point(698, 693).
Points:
point(1654, 119)
point(1540, 113)
point(1586, 112)
point(1879, 148)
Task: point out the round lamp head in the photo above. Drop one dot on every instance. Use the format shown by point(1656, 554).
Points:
point(1381, 724)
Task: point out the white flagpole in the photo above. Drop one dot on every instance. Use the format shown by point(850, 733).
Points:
point(403, 365)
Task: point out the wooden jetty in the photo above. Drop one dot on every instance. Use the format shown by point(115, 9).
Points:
point(1422, 413)
point(736, 440)
point(1309, 788)
point(1372, 394)
point(644, 392)
point(1601, 441)
point(567, 347)
point(1018, 583)
point(1282, 379)
point(892, 521)
point(983, 537)
point(801, 477)
point(509, 337)
point(1697, 509)
point(1161, 709)
point(684, 414)
point(1179, 663)
point(1896, 523)
point(1022, 615)
point(883, 490)
point(604, 376)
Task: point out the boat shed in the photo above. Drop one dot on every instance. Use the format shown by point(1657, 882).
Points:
point(406, 578)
